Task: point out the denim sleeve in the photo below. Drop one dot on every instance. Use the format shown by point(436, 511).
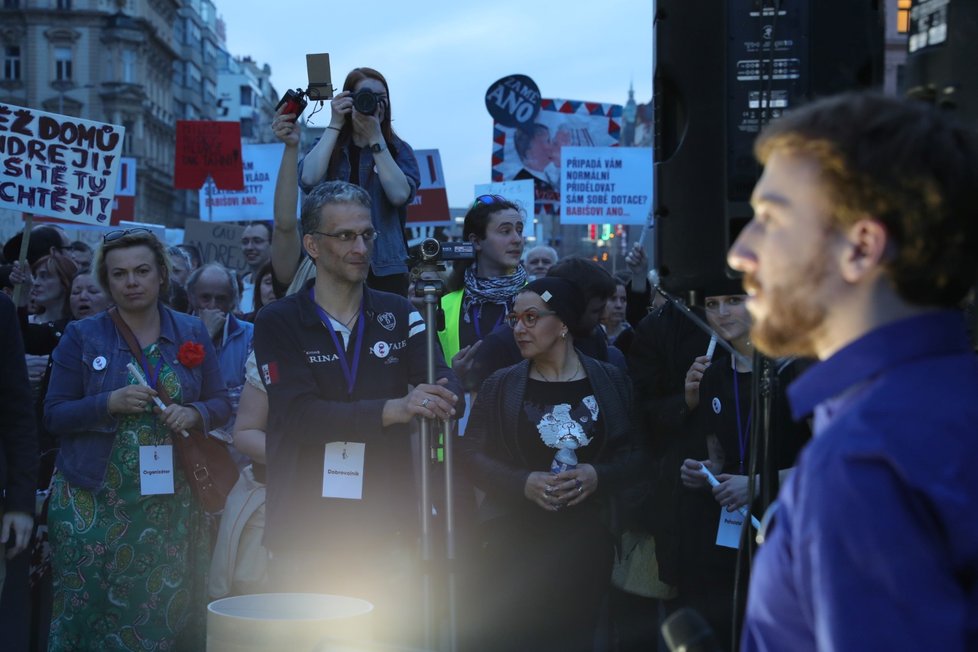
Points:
point(408, 162)
point(213, 403)
point(68, 407)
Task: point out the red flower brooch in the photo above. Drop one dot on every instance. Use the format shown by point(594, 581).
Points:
point(191, 354)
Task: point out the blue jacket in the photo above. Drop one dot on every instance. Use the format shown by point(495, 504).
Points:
point(77, 402)
point(390, 254)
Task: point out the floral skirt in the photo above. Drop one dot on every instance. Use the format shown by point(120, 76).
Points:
point(129, 570)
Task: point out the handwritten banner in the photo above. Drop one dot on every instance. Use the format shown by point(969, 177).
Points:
point(208, 147)
point(58, 166)
point(255, 201)
point(605, 185)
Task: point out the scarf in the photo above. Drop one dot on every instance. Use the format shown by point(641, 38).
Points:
point(500, 289)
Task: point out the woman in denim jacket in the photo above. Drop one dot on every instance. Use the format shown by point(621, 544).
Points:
point(128, 539)
point(360, 146)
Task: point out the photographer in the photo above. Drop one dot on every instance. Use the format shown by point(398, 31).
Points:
point(360, 147)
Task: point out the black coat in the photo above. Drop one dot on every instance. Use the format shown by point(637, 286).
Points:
point(490, 451)
point(18, 436)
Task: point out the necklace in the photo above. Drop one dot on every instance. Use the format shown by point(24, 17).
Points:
point(557, 378)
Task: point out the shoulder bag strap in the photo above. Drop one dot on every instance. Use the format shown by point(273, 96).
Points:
point(134, 347)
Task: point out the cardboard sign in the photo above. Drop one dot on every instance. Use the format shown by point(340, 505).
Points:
point(430, 205)
point(58, 166)
point(218, 242)
point(255, 201)
point(605, 185)
point(208, 147)
point(124, 205)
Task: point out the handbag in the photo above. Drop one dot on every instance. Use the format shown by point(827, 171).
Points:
point(206, 462)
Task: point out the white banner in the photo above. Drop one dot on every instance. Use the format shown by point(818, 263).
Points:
point(58, 166)
point(605, 185)
point(256, 201)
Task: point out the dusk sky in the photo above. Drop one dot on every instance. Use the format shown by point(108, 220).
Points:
point(441, 56)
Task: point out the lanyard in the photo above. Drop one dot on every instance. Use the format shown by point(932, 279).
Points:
point(152, 376)
point(475, 313)
point(743, 433)
point(349, 371)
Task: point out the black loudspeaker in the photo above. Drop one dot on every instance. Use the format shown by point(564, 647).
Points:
point(723, 70)
point(942, 49)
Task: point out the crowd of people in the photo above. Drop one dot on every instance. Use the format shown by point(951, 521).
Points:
point(608, 472)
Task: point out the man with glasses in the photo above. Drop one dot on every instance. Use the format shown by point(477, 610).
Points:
point(345, 367)
point(256, 245)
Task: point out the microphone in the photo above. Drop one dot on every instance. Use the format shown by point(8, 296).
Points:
point(687, 631)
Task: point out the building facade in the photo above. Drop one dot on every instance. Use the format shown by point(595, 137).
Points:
point(142, 64)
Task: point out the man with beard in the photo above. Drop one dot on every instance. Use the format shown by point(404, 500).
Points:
point(863, 243)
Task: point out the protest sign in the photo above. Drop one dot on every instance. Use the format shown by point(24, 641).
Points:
point(430, 205)
point(532, 151)
point(208, 147)
point(58, 166)
point(513, 101)
point(255, 201)
point(605, 185)
point(218, 242)
point(124, 206)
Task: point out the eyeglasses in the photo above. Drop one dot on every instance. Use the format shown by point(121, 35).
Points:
point(369, 235)
point(112, 236)
point(528, 317)
point(489, 199)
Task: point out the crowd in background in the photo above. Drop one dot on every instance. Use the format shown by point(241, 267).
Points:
point(604, 446)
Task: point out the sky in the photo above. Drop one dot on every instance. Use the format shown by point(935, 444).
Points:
point(440, 57)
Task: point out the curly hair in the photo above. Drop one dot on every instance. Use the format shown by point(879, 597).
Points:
point(907, 165)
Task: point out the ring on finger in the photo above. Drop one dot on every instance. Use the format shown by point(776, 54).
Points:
point(425, 402)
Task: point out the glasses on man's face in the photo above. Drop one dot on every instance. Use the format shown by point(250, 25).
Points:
point(112, 236)
point(368, 235)
point(488, 199)
point(528, 317)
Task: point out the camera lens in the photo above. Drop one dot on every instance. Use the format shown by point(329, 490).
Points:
point(430, 249)
point(365, 101)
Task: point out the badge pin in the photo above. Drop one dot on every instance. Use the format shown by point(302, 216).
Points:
point(98, 364)
point(380, 349)
point(716, 405)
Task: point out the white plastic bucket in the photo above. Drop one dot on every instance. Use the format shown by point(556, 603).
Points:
point(273, 622)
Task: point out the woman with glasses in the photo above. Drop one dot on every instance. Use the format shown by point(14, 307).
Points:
point(359, 146)
point(547, 534)
point(482, 290)
point(129, 543)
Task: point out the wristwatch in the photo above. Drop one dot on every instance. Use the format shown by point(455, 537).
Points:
point(377, 148)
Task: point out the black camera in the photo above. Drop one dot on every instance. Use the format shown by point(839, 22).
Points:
point(365, 101)
point(434, 251)
point(294, 101)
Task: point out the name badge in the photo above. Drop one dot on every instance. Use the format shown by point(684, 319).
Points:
point(155, 470)
point(343, 470)
point(728, 532)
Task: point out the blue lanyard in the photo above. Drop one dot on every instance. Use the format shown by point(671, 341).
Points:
point(475, 313)
point(152, 376)
point(349, 371)
point(742, 433)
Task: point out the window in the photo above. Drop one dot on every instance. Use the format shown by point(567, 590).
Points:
point(11, 4)
point(903, 16)
point(62, 64)
point(11, 63)
point(64, 4)
point(128, 66)
point(246, 95)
